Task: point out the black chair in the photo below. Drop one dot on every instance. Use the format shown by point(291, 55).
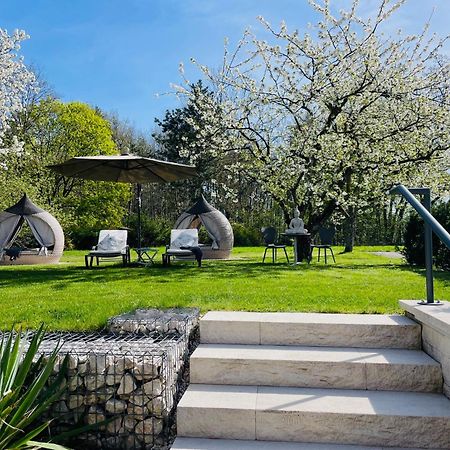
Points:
point(270, 239)
point(326, 236)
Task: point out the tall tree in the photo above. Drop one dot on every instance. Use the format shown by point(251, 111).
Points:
point(15, 81)
point(126, 137)
point(177, 140)
point(54, 132)
point(15, 78)
point(331, 119)
point(183, 137)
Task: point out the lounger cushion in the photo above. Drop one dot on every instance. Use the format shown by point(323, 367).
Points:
point(183, 238)
point(178, 252)
point(111, 243)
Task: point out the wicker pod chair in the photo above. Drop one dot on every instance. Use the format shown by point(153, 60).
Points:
point(216, 224)
point(45, 228)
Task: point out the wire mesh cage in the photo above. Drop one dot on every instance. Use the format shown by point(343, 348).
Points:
point(120, 387)
point(123, 386)
point(181, 320)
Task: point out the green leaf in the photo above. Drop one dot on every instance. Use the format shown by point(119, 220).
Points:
point(26, 391)
point(48, 445)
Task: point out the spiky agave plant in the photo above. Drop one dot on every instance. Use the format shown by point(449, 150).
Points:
point(25, 390)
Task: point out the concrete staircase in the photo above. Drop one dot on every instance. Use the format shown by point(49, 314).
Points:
point(286, 381)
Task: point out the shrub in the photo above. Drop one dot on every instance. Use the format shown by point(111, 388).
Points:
point(245, 235)
point(25, 391)
point(154, 231)
point(81, 239)
point(414, 249)
point(203, 236)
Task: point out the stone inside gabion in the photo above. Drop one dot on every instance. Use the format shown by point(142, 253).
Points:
point(180, 320)
point(124, 385)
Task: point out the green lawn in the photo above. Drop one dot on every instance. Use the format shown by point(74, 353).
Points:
point(69, 297)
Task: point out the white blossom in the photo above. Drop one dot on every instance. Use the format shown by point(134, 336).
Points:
point(331, 119)
point(15, 78)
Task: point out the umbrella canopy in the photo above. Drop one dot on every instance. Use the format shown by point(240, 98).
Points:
point(125, 168)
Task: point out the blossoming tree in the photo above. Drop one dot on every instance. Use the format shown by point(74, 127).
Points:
point(330, 119)
point(15, 78)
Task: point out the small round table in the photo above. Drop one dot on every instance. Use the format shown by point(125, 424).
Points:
point(302, 246)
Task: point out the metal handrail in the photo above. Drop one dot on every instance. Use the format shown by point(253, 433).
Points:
point(431, 224)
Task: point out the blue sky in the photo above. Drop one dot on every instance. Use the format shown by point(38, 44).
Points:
point(119, 55)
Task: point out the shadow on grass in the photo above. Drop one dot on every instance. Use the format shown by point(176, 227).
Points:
point(176, 272)
point(442, 276)
point(62, 276)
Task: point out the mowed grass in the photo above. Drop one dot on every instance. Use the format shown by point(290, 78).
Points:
point(69, 297)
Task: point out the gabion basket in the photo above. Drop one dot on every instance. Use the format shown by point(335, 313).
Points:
point(121, 386)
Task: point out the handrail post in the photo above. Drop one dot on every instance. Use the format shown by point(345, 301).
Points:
point(431, 225)
point(428, 248)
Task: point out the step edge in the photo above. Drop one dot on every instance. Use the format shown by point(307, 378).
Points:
point(227, 388)
point(274, 317)
point(289, 445)
point(424, 359)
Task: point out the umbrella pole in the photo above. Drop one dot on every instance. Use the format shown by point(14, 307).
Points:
point(139, 195)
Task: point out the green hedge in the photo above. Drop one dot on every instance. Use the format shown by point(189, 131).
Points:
point(414, 249)
point(156, 232)
point(245, 235)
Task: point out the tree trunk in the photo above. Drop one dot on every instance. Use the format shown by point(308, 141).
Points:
point(286, 213)
point(317, 220)
point(349, 230)
point(400, 213)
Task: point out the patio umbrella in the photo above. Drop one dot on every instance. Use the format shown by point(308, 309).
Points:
point(125, 168)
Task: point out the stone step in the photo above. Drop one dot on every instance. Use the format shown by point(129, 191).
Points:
point(321, 367)
point(328, 416)
point(340, 330)
point(230, 444)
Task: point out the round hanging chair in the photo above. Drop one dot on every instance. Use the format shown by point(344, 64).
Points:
point(216, 224)
point(45, 228)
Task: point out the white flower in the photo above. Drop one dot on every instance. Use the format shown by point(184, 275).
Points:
point(15, 77)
